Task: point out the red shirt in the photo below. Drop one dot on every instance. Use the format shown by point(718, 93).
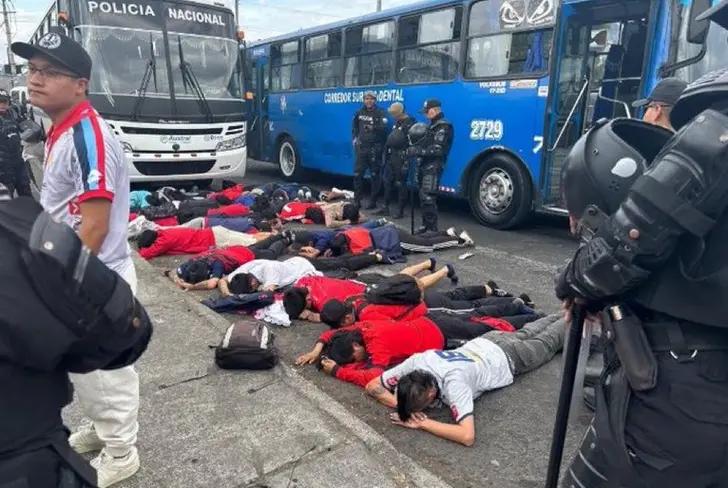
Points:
point(295, 210)
point(231, 193)
point(234, 210)
point(391, 312)
point(321, 289)
point(232, 257)
point(388, 343)
point(180, 240)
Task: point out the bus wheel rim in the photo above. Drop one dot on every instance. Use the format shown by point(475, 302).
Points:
point(288, 159)
point(496, 191)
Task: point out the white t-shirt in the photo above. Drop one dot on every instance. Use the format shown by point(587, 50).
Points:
point(84, 160)
point(462, 374)
point(277, 273)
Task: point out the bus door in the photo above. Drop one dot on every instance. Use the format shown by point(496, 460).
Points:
point(259, 130)
point(598, 66)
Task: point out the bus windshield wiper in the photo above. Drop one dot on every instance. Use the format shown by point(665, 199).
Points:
point(189, 79)
point(149, 72)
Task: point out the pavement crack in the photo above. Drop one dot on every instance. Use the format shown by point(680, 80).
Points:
point(181, 382)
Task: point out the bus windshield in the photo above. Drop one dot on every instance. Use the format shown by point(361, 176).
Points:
point(714, 58)
point(211, 59)
point(121, 57)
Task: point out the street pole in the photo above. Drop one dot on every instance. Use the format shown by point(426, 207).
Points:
point(379, 5)
point(9, 38)
point(237, 15)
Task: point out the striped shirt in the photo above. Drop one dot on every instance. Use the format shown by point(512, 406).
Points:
point(84, 160)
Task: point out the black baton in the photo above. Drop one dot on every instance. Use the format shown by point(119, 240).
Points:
point(571, 361)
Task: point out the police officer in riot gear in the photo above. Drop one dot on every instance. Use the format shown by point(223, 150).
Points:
point(63, 311)
point(394, 177)
point(652, 211)
point(369, 132)
point(13, 169)
point(433, 156)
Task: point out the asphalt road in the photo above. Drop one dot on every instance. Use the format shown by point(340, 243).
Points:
point(513, 425)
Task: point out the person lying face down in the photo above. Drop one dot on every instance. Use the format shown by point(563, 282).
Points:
point(361, 352)
point(334, 215)
point(458, 377)
point(181, 240)
point(266, 275)
point(307, 298)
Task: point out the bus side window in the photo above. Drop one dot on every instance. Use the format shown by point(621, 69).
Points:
point(369, 54)
point(285, 66)
point(323, 61)
point(436, 56)
point(492, 52)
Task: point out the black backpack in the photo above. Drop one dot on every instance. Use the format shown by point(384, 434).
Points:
point(247, 345)
point(396, 290)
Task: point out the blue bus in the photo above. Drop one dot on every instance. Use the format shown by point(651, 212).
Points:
point(520, 80)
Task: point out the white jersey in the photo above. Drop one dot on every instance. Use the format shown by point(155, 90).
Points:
point(277, 273)
point(462, 374)
point(84, 160)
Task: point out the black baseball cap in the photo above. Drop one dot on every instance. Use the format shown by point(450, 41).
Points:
point(667, 91)
point(431, 103)
point(61, 50)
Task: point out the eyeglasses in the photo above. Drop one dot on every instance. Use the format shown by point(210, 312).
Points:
point(49, 73)
point(657, 105)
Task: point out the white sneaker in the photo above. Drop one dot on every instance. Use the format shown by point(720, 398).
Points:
point(85, 439)
point(111, 470)
point(467, 240)
point(451, 232)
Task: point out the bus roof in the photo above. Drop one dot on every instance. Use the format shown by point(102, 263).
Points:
point(367, 18)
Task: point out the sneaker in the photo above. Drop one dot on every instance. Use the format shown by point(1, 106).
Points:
point(452, 274)
point(467, 240)
point(381, 222)
point(433, 264)
point(527, 300)
point(111, 470)
point(85, 439)
point(496, 291)
point(451, 232)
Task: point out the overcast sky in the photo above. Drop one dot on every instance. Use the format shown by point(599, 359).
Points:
point(259, 18)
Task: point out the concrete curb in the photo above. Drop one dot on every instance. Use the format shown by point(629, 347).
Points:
point(403, 469)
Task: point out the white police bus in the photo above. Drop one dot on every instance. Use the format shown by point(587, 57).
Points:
point(166, 76)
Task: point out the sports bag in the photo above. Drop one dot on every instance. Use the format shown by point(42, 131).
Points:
point(397, 290)
point(247, 345)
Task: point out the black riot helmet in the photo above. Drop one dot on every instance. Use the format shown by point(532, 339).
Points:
point(708, 91)
point(417, 133)
point(606, 161)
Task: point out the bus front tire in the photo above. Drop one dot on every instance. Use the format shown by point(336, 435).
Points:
point(500, 193)
point(289, 162)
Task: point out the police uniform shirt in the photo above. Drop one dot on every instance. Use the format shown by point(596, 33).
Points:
point(462, 374)
point(84, 160)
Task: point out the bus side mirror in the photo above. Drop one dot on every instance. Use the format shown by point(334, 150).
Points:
point(698, 29)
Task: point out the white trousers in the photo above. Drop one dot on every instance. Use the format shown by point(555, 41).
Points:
point(226, 237)
point(111, 398)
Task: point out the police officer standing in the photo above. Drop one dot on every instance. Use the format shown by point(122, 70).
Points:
point(395, 168)
point(369, 132)
point(433, 156)
point(653, 209)
point(661, 101)
point(63, 311)
point(13, 169)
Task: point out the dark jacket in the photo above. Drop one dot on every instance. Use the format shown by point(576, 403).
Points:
point(11, 151)
point(369, 126)
point(41, 341)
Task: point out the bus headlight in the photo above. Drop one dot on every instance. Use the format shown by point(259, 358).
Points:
point(230, 144)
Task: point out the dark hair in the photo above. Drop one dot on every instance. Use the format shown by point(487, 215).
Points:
point(333, 313)
point(260, 204)
point(146, 238)
point(197, 270)
point(223, 200)
point(153, 200)
point(315, 214)
point(350, 212)
point(294, 302)
point(341, 346)
point(339, 245)
point(263, 225)
point(412, 393)
point(228, 184)
point(242, 283)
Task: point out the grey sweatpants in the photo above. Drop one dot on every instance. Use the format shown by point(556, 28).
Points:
point(534, 345)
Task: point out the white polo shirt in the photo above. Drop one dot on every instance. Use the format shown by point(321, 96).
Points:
point(84, 160)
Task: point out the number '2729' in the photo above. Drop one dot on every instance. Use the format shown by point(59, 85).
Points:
point(486, 130)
